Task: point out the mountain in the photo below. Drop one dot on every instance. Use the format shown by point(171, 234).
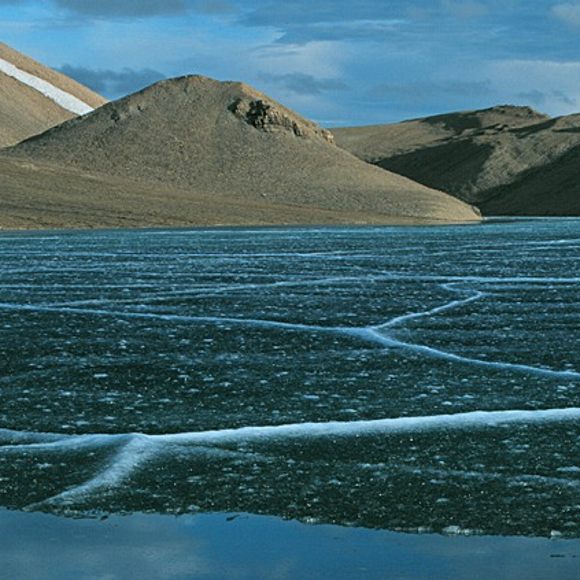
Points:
point(226, 141)
point(378, 142)
point(505, 160)
point(34, 98)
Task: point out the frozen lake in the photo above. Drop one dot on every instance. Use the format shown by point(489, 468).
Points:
point(409, 379)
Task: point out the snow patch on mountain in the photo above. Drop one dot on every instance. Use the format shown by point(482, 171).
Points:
point(60, 97)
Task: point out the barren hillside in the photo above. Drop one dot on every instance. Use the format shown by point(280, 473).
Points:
point(205, 137)
point(34, 98)
point(506, 160)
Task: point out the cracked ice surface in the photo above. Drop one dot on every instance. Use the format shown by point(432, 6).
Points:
point(400, 378)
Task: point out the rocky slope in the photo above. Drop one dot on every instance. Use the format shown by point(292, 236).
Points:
point(506, 160)
point(377, 142)
point(226, 140)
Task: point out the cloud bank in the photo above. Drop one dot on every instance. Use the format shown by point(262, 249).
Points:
point(111, 83)
point(360, 62)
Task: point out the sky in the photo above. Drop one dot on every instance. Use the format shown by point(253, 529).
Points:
point(339, 62)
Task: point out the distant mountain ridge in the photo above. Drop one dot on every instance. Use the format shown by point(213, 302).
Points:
point(226, 139)
point(34, 98)
point(382, 141)
point(506, 160)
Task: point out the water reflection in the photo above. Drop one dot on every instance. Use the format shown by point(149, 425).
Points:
point(36, 546)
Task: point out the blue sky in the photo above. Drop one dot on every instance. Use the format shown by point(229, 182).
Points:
point(339, 62)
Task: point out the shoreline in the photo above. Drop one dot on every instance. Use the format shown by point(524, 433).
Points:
point(219, 545)
point(396, 223)
point(399, 224)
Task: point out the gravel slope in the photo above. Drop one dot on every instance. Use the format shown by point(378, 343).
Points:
point(226, 139)
point(505, 160)
point(24, 111)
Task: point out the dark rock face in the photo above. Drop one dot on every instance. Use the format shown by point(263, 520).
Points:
point(269, 118)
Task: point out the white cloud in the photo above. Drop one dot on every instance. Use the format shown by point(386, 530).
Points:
point(320, 59)
point(554, 86)
point(569, 13)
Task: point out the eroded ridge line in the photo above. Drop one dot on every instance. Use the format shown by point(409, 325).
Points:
point(474, 419)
